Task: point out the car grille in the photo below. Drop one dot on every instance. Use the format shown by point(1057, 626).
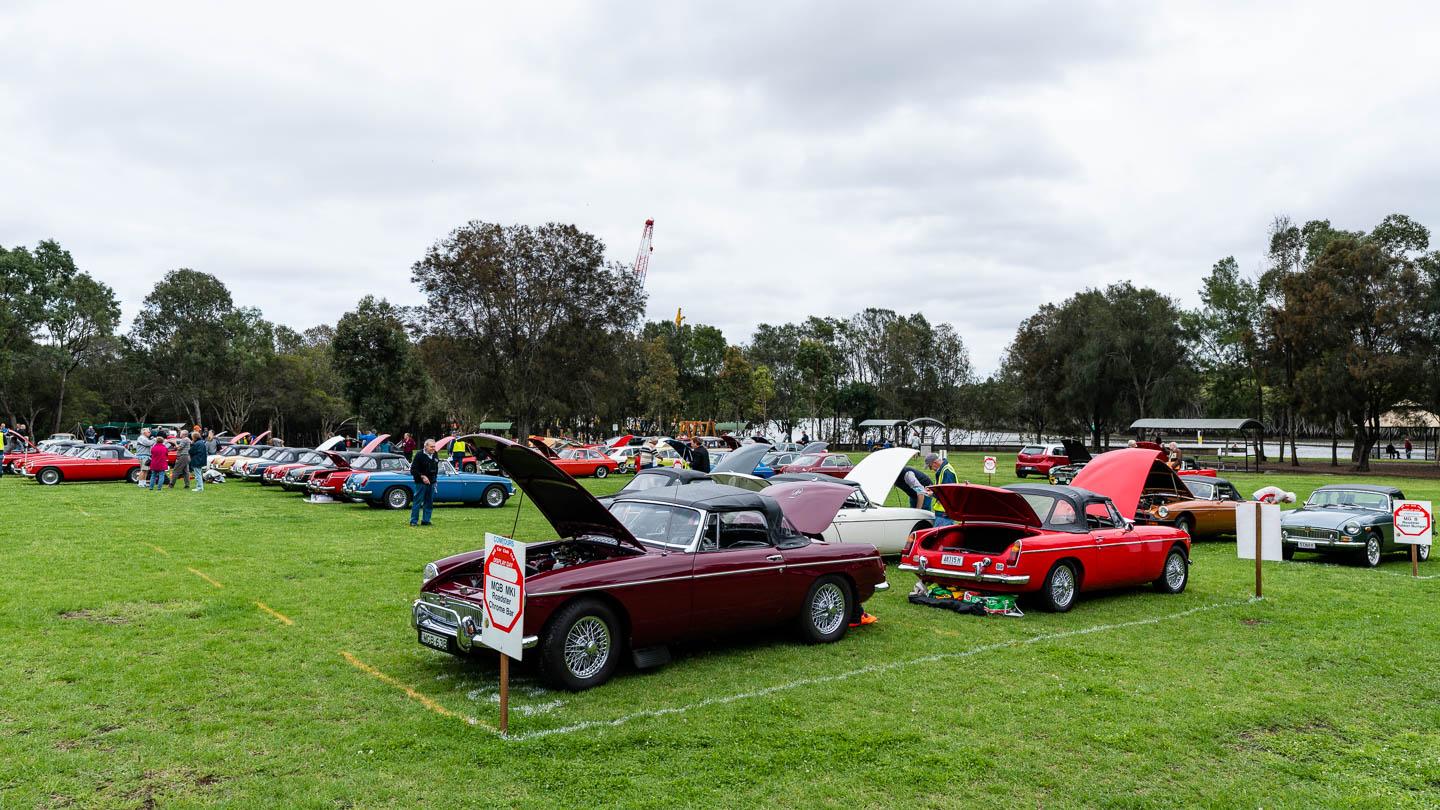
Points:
point(1312, 533)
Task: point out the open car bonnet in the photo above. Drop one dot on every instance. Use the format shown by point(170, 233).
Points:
point(569, 507)
point(972, 502)
point(1077, 452)
point(742, 460)
point(754, 483)
point(1123, 475)
point(331, 443)
point(538, 445)
point(340, 462)
point(814, 447)
point(811, 506)
point(374, 443)
point(876, 473)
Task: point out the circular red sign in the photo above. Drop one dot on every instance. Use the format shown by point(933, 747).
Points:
point(1410, 516)
point(504, 557)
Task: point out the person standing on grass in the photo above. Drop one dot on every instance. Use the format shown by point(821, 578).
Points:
point(143, 444)
point(408, 447)
point(944, 474)
point(915, 483)
point(424, 470)
point(1408, 447)
point(182, 461)
point(212, 446)
point(159, 464)
point(199, 456)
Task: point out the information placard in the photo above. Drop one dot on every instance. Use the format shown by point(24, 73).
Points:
point(1414, 522)
point(504, 625)
point(1269, 531)
point(989, 465)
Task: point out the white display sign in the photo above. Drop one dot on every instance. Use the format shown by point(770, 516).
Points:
point(504, 622)
point(1414, 522)
point(1269, 531)
point(989, 465)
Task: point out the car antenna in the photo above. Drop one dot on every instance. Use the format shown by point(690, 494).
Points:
point(518, 504)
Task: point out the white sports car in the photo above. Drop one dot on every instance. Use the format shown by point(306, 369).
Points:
point(863, 518)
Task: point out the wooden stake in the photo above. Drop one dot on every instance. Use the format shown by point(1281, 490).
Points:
point(1414, 561)
point(1257, 549)
point(504, 693)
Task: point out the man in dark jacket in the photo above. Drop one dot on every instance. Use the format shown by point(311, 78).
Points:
point(914, 483)
point(199, 456)
point(424, 469)
point(699, 456)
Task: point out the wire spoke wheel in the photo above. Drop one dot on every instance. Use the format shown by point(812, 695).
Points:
point(1372, 552)
point(827, 609)
point(587, 647)
point(1062, 586)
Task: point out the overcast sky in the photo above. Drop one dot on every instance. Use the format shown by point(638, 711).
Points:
point(970, 161)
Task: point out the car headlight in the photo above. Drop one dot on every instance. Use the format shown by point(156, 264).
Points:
point(431, 571)
point(1163, 511)
point(1284, 534)
point(1352, 527)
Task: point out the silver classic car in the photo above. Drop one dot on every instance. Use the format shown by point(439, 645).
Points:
point(1354, 519)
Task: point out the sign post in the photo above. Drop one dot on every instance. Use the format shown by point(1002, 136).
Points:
point(1257, 534)
point(989, 468)
point(1414, 524)
point(504, 621)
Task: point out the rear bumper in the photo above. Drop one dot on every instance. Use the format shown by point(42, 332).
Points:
point(462, 631)
point(968, 576)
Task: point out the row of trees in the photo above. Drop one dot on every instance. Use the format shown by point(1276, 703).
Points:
point(531, 325)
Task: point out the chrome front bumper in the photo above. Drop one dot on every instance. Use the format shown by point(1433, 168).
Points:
point(1340, 542)
point(448, 621)
point(951, 573)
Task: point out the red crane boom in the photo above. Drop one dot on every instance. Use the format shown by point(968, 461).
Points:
point(642, 256)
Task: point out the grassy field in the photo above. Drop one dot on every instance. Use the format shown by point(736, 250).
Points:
point(241, 648)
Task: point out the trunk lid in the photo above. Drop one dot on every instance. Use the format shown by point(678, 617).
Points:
point(972, 502)
point(811, 506)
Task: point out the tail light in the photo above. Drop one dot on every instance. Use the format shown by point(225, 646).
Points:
point(1012, 555)
point(909, 545)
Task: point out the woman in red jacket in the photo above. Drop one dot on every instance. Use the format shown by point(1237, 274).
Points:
point(159, 464)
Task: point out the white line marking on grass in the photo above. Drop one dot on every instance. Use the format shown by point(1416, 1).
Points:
point(973, 651)
point(1372, 570)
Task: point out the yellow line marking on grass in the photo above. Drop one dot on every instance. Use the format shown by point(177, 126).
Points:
point(202, 576)
point(159, 549)
point(426, 702)
point(272, 612)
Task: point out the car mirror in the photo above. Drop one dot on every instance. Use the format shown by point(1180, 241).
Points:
point(1128, 524)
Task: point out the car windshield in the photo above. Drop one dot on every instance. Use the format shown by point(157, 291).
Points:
point(1349, 497)
point(659, 524)
point(446, 468)
point(364, 463)
point(642, 482)
point(90, 453)
point(806, 461)
point(312, 458)
point(1032, 450)
point(1201, 489)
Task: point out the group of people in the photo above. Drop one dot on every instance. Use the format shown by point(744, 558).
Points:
point(192, 452)
point(1392, 452)
point(12, 439)
point(916, 484)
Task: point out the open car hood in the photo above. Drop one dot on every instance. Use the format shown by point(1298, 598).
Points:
point(811, 506)
point(1077, 452)
point(1123, 475)
point(742, 460)
point(330, 443)
point(754, 483)
point(374, 443)
point(569, 507)
point(876, 473)
point(814, 447)
point(538, 445)
point(443, 443)
point(340, 462)
point(621, 442)
point(973, 502)
point(238, 438)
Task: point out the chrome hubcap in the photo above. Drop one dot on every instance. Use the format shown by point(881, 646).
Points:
point(1372, 551)
point(1423, 553)
point(397, 498)
point(587, 647)
point(1062, 586)
point(827, 610)
point(494, 498)
point(1175, 571)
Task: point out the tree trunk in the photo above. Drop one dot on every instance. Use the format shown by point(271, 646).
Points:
point(60, 403)
point(1334, 447)
point(1290, 427)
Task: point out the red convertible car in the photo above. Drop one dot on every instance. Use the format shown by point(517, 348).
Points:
point(578, 461)
point(657, 566)
point(832, 464)
point(333, 483)
point(1046, 540)
point(99, 462)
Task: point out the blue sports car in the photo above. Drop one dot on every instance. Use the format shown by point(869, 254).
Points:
point(395, 490)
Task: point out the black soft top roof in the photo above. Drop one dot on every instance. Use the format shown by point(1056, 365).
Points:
point(1380, 488)
point(678, 474)
point(814, 476)
point(707, 495)
point(1078, 498)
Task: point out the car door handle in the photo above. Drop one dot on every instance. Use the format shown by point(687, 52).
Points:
point(775, 558)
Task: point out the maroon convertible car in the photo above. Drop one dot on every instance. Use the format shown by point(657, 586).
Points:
point(657, 566)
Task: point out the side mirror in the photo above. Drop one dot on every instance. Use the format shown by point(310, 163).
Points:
point(1129, 524)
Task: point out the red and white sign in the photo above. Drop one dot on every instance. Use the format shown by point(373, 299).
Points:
point(989, 465)
point(504, 627)
point(1414, 522)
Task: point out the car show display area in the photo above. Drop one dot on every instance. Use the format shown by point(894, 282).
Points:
point(249, 650)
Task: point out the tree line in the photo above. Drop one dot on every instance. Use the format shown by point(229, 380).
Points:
point(530, 325)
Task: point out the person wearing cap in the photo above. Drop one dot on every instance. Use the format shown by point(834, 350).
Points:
point(944, 474)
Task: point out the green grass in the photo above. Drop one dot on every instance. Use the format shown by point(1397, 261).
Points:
point(126, 680)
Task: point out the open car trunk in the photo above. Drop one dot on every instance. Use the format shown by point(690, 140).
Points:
point(975, 538)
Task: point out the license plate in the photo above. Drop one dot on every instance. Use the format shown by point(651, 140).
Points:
point(1304, 545)
point(952, 559)
point(435, 640)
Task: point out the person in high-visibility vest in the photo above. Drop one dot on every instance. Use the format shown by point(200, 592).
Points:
point(457, 455)
point(944, 474)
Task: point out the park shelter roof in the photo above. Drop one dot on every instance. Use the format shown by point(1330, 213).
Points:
point(883, 423)
point(494, 426)
point(730, 427)
point(1197, 424)
point(1409, 415)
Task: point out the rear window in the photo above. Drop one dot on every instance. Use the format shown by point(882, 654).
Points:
point(641, 483)
point(1032, 450)
point(806, 461)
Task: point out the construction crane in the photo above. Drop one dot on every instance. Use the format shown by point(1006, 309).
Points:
point(642, 256)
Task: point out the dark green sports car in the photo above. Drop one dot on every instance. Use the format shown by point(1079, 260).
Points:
point(1354, 519)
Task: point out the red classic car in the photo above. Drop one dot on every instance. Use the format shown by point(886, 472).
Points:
point(1050, 541)
point(657, 566)
point(1039, 459)
point(332, 483)
point(15, 462)
point(100, 462)
point(833, 464)
point(578, 461)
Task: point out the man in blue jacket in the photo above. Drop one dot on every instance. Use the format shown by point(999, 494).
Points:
point(424, 469)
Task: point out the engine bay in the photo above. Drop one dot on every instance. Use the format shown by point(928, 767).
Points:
point(567, 554)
